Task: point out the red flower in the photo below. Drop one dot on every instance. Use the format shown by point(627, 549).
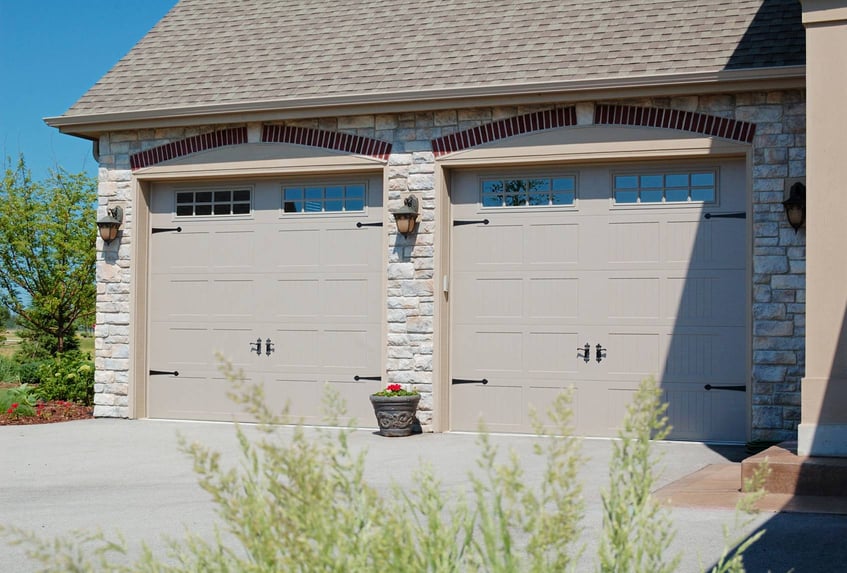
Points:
point(12, 408)
point(393, 387)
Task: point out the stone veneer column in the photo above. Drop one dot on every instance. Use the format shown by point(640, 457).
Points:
point(823, 429)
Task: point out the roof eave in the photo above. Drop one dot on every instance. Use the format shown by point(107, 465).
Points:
point(90, 126)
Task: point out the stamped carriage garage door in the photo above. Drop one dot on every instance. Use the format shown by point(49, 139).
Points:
point(594, 278)
point(282, 278)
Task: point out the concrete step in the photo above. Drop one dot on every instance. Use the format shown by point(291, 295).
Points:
point(799, 475)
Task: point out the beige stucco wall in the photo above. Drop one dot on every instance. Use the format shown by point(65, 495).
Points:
point(823, 430)
point(412, 341)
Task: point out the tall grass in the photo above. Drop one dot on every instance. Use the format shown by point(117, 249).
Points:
point(302, 504)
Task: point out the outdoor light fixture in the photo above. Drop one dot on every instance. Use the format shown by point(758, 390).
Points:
point(110, 224)
point(795, 206)
point(407, 216)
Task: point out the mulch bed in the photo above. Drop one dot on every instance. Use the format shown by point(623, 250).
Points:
point(50, 413)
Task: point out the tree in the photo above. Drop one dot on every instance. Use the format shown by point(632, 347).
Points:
point(47, 253)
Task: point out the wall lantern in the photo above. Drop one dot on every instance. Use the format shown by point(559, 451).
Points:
point(795, 206)
point(110, 224)
point(407, 216)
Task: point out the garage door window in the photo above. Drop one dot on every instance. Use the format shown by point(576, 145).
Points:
point(535, 192)
point(651, 188)
point(213, 202)
point(324, 198)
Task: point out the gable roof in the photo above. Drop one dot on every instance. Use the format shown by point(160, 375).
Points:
point(232, 53)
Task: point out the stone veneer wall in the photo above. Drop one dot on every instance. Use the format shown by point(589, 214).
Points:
point(778, 261)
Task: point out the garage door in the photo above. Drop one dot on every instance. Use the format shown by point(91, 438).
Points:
point(281, 278)
point(595, 278)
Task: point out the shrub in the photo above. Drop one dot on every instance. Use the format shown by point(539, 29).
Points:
point(302, 504)
point(28, 371)
point(70, 376)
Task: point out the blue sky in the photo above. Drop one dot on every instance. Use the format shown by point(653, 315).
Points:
point(51, 52)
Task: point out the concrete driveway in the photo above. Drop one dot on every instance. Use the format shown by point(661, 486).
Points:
point(128, 476)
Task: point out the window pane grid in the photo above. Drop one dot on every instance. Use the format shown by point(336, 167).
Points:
point(219, 202)
point(652, 188)
point(535, 192)
point(323, 199)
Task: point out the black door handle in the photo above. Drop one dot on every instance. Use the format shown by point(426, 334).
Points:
point(600, 353)
point(269, 347)
point(256, 347)
point(584, 352)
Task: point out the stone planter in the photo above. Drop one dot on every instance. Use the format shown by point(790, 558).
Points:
point(395, 414)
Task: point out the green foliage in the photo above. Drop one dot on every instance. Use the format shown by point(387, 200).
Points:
point(28, 372)
point(69, 376)
point(9, 370)
point(393, 390)
point(732, 560)
point(301, 503)
point(47, 253)
point(637, 531)
point(25, 398)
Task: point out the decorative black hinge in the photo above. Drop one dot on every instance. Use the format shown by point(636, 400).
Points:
point(359, 225)
point(479, 222)
point(463, 381)
point(741, 215)
point(730, 388)
point(164, 373)
point(155, 230)
point(357, 378)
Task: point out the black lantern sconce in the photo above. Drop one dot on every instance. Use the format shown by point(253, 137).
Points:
point(110, 224)
point(795, 206)
point(407, 216)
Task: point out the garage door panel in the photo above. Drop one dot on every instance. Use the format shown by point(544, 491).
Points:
point(297, 348)
point(501, 406)
point(552, 243)
point(233, 251)
point(293, 249)
point(633, 242)
point(661, 290)
point(553, 298)
point(188, 298)
point(551, 353)
point(697, 415)
point(306, 286)
point(200, 398)
point(497, 298)
point(296, 298)
point(233, 300)
point(188, 251)
point(346, 297)
point(348, 248)
point(634, 297)
point(706, 298)
point(494, 244)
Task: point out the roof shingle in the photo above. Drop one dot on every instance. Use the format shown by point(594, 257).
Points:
point(207, 52)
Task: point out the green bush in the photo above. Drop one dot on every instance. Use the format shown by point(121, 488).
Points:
point(70, 377)
point(28, 371)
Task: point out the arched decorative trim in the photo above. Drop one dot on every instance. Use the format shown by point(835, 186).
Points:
point(535, 121)
point(174, 149)
point(606, 114)
point(334, 140)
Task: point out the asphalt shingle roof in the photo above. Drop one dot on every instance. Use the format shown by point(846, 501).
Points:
point(212, 52)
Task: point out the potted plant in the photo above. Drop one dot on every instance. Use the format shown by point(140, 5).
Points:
point(395, 409)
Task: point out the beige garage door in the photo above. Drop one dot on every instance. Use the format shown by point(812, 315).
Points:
point(277, 276)
point(597, 277)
